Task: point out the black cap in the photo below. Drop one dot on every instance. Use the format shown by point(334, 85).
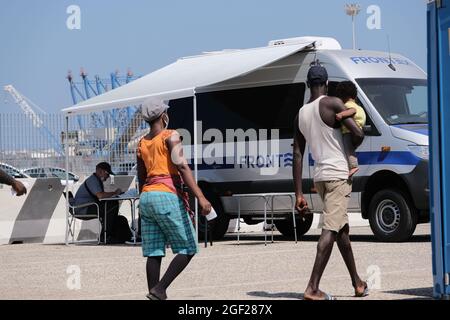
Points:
point(317, 75)
point(105, 166)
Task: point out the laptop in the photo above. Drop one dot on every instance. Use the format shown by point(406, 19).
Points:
point(119, 182)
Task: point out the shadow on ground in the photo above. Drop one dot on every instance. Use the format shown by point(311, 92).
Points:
point(419, 293)
point(259, 238)
point(416, 293)
point(274, 295)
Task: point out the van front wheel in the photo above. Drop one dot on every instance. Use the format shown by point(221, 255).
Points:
point(392, 217)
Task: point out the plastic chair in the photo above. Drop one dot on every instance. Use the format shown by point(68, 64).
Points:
point(71, 220)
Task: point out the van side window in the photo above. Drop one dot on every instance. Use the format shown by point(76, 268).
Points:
point(270, 107)
point(332, 93)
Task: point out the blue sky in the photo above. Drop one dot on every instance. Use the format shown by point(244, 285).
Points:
point(37, 48)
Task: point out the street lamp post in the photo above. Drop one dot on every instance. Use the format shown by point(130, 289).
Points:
point(353, 10)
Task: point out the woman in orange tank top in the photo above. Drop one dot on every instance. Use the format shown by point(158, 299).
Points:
point(162, 171)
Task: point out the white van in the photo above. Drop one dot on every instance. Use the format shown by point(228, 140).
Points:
point(391, 187)
point(263, 88)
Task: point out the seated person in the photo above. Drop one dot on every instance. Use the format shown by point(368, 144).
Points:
point(92, 190)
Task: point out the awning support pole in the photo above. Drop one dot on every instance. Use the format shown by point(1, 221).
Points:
point(195, 161)
point(66, 147)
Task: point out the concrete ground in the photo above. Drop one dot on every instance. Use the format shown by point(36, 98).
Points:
point(224, 271)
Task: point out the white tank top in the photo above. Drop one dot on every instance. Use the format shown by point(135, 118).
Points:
point(325, 144)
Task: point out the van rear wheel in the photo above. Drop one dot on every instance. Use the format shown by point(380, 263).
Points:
point(392, 217)
point(286, 227)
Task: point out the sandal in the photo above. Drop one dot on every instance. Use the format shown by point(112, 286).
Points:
point(327, 297)
point(365, 292)
point(151, 296)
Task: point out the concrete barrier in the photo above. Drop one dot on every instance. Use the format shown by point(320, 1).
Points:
point(40, 215)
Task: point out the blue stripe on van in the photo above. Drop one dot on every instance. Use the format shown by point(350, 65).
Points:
point(405, 158)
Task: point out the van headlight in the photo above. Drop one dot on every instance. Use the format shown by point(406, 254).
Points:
point(421, 152)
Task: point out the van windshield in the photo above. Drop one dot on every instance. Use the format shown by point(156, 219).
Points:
point(398, 101)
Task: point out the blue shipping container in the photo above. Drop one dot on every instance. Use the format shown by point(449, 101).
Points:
point(439, 114)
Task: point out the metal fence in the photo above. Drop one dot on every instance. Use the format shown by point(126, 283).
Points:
point(41, 142)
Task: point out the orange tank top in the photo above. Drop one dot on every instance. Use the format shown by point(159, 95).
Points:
point(156, 157)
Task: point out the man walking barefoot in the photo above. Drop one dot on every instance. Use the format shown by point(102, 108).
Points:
point(316, 125)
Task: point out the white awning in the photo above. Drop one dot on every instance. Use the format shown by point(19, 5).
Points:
point(182, 78)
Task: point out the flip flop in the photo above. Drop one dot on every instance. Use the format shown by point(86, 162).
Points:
point(327, 297)
point(151, 296)
point(365, 293)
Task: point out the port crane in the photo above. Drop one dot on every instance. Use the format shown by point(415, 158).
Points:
point(125, 120)
point(25, 105)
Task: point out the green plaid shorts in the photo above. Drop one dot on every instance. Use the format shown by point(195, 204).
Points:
point(165, 221)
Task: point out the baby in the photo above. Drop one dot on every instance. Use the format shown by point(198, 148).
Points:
point(347, 92)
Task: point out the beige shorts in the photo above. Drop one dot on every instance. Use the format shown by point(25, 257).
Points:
point(335, 196)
